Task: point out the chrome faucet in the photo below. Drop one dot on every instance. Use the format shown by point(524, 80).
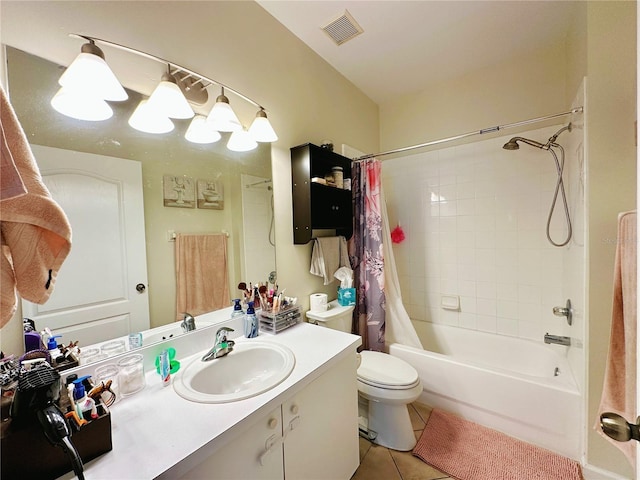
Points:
point(222, 346)
point(557, 339)
point(188, 323)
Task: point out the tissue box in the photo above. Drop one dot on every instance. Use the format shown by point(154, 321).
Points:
point(347, 296)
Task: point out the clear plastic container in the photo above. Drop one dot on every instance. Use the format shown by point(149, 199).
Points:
point(89, 355)
point(104, 373)
point(131, 374)
point(111, 349)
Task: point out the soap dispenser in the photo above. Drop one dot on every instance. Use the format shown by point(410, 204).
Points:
point(54, 351)
point(250, 322)
point(237, 309)
point(82, 401)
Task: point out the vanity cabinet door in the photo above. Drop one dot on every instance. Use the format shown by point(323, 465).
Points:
point(256, 454)
point(320, 426)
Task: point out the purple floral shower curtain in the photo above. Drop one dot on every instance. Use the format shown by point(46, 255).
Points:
point(365, 253)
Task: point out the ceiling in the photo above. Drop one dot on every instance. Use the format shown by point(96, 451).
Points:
point(407, 45)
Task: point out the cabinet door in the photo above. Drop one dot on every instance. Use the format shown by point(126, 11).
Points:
point(330, 207)
point(255, 455)
point(321, 426)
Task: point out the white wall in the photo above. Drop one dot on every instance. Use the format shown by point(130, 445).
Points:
point(475, 218)
point(238, 43)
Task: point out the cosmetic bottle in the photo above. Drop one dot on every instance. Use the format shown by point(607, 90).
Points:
point(237, 308)
point(54, 351)
point(250, 322)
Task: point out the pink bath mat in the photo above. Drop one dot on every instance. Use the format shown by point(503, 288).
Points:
point(468, 451)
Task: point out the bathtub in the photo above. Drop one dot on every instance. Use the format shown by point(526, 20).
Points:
point(520, 387)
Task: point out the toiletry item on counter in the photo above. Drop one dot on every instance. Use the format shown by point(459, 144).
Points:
point(318, 302)
point(105, 374)
point(237, 308)
point(250, 322)
point(131, 374)
point(135, 340)
point(165, 367)
point(111, 349)
point(84, 404)
point(54, 351)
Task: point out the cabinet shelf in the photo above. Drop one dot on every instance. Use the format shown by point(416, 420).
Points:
point(318, 206)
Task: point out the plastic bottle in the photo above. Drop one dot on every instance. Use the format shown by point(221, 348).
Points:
point(237, 309)
point(250, 322)
point(165, 367)
point(83, 402)
point(54, 351)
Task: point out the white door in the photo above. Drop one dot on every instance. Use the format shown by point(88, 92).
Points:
point(100, 292)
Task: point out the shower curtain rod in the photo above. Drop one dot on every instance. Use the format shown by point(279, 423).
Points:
point(469, 134)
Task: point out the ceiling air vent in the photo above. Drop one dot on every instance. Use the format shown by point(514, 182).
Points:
point(343, 28)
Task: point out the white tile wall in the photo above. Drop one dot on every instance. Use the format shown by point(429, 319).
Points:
point(475, 217)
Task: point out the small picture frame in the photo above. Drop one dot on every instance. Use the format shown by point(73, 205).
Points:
point(178, 191)
point(210, 194)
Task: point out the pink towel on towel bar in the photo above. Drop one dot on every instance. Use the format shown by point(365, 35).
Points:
point(202, 281)
point(619, 391)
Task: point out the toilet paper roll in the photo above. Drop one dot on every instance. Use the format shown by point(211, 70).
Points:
point(318, 302)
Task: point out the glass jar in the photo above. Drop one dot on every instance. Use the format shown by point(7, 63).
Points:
point(338, 176)
point(111, 349)
point(104, 373)
point(131, 374)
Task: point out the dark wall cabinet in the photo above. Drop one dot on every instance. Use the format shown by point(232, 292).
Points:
point(318, 206)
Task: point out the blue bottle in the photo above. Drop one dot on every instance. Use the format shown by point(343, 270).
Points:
point(237, 309)
point(250, 322)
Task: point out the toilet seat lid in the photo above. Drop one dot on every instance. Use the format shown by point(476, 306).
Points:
point(377, 368)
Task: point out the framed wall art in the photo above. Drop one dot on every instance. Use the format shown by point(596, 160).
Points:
point(210, 194)
point(178, 191)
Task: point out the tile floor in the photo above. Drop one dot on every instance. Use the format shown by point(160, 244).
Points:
point(379, 463)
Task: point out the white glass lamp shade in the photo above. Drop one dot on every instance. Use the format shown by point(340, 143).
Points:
point(241, 141)
point(149, 120)
point(81, 106)
point(261, 129)
point(169, 99)
point(201, 131)
point(90, 74)
point(222, 117)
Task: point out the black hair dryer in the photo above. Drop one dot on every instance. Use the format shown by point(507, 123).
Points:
point(38, 389)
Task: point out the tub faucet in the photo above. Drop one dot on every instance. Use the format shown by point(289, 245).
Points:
point(222, 346)
point(557, 339)
point(188, 323)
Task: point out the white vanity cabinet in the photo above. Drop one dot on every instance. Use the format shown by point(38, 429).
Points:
point(312, 435)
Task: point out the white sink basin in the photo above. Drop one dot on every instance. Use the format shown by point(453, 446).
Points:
point(253, 367)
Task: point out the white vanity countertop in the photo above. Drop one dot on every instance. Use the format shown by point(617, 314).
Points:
point(156, 432)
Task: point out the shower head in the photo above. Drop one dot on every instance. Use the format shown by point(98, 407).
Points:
point(513, 143)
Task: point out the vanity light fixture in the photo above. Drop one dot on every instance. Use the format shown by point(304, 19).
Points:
point(168, 99)
point(201, 131)
point(146, 118)
point(184, 86)
point(81, 106)
point(261, 130)
point(241, 141)
point(90, 75)
point(222, 117)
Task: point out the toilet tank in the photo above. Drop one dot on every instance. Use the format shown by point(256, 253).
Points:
point(335, 317)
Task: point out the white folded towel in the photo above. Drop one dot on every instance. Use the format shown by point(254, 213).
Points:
point(327, 256)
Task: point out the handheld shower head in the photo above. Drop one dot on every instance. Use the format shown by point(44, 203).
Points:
point(513, 143)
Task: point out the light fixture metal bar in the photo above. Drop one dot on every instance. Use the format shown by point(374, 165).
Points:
point(164, 61)
point(469, 134)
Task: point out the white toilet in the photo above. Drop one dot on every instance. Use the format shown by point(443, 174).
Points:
point(388, 384)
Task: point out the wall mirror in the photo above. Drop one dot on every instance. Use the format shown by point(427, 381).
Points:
point(247, 213)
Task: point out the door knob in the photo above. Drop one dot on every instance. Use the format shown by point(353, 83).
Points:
point(616, 427)
point(140, 287)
